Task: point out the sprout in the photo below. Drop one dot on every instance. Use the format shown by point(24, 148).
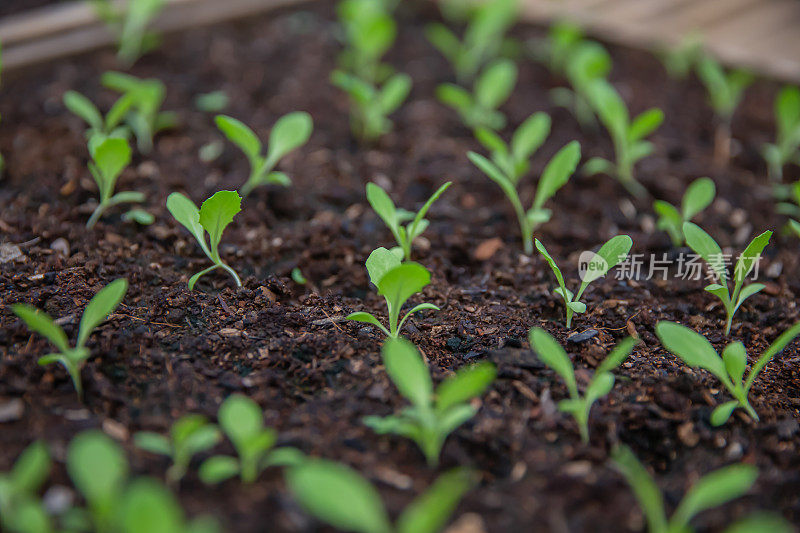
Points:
point(242, 421)
point(22, 509)
point(109, 158)
point(371, 104)
point(553, 355)
point(213, 217)
point(706, 247)
point(339, 496)
point(787, 135)
point(432, 416)
point(696, 351)
point(393, 217)
point(290, 132)
point(100, 306)
point(508, 164)
point(607, 257)
point(130, 24)
point(479, 108)
point(628, 135)
point(588, 61)
point(697, 197)
point(396, 282)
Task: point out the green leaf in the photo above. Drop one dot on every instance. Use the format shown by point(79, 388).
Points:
point(620, 352)
point(609, 106)
point(699, 195)
point(454, 96)
point(148, 507)
point(647, 493)
point(747, 292)
point(217, 212)
point(419, 224)
point(241, 419)
point(338, 496)
point(402, 282)
point(599, 387)
point(361, 316)
point(153, 443)
point(714, 489)
point(494, 173)
point(706, 247)
point(212, 102)
point(101, 305)
point(553, 355)
point(394, 92)
point(557, 172)
point(291, 131)
point(218, 468)
point(787, 112)
point(495, 84)
point(761, 522)
point(240, 135)
point(139, 216)
point(186, 212)
point(578, 307)
point(430, 511)
point(383, 206)
point(723, 412)
point(553, 266)
point(379, 263)
point(97, 465)
point(84, 108)
point(40, 322)
point(598, 165)
point(645, 124)
point(31, 469)
point(408, 371)
point(467, 383)
point(607, 257)
point(111, 156)
point(749, 257)
point(444, 40)
point(735, 358)
point(692, 348)
point(530, 135)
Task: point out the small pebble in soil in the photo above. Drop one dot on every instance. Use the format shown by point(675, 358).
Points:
point(11, 410)
point(582, 336)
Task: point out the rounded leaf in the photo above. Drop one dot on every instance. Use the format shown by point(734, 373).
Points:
point(240, 418)
point(338, 496)
point(239, 134)
point(467, 383)
point(149, 507)
point(289, 132)
point(97, 465)
point(408, 371)
point(101, 305)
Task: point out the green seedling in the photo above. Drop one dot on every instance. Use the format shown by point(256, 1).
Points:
point(100, 127)
point(696, 351)
point(589, 61)
point(242, 421)
point(298, 277)
point(697, 197)
point(707, 248)
point(509, 164)
point(593, 266)
point(553, 355)
point(341, 497)
point(213, 217)
point(725, 92)
point(290, 132)
point(21, 509)
point(371, 104)
point(109, 158)
point(791, 207)
point(680, 60)
point(478, 109)
point(144, 117)
point(99, 470)
point(457, 12)
point(432, 416)
point(710, 491)
point(787, 135)
point(627, 135)
point(189, 435)
point(369, 32)
point(556, 50)
point(100, 306)
point(396, 282)
point(148, 506)
point(130, 26)
point(393, 217)
point(483, 39)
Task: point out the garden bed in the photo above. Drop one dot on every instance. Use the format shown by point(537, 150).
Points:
point(167, 351)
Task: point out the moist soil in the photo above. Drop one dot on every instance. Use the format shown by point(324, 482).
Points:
point(167, 351)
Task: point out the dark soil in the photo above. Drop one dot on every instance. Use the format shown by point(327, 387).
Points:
point(168, 351)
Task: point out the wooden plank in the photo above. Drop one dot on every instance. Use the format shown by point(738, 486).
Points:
point(180, 15)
